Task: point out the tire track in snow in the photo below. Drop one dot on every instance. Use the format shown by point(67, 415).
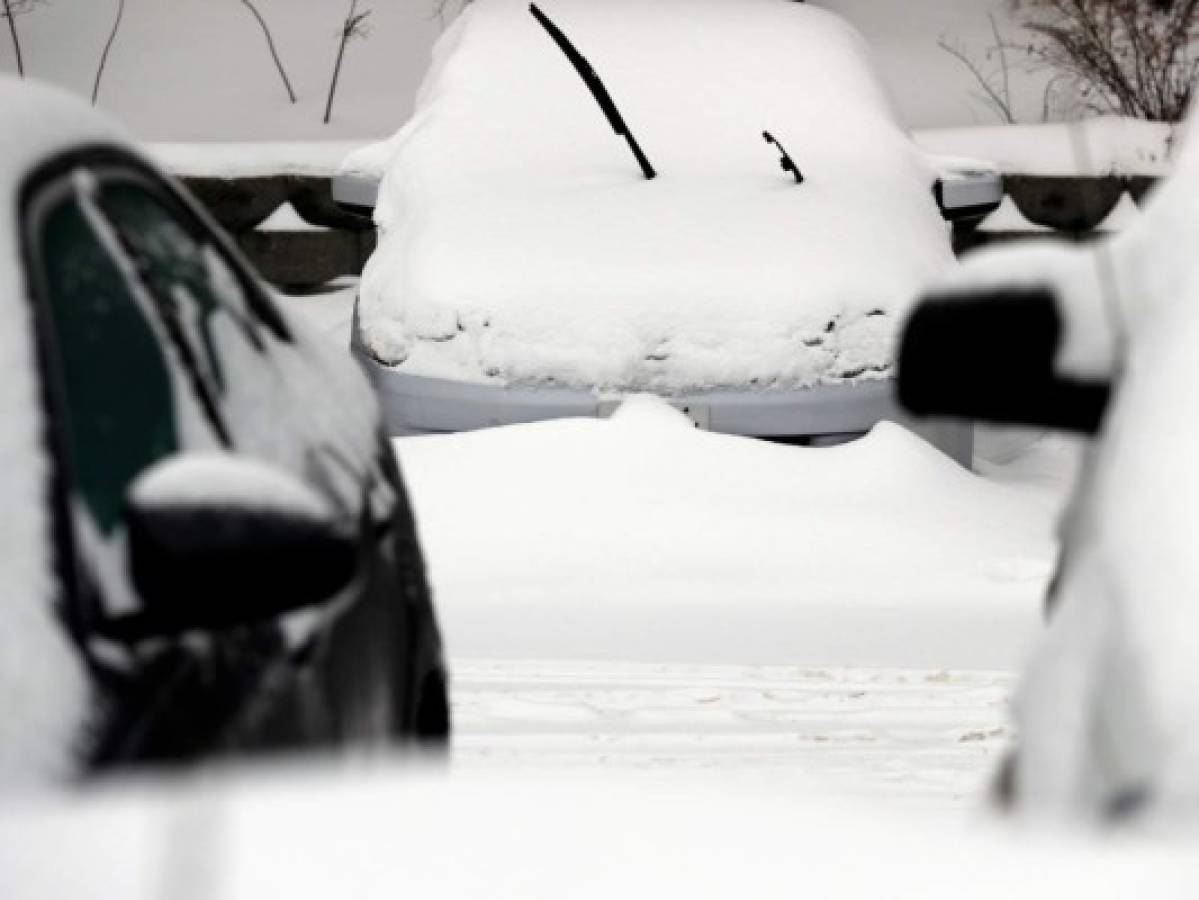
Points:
point(929, 737)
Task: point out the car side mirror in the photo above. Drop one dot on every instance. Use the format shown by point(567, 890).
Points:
point(355, 193)
point(216, 541)
point(989, 356)
point(967, 196)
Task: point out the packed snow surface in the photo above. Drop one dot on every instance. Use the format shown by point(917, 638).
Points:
point(640, 538)
point(925, 740)
point(328, 832)
point(520, 243)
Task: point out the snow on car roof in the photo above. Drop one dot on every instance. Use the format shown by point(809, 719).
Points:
point(521, 244)
point(41, 678)
point(36, 122)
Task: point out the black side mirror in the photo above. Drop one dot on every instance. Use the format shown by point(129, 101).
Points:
point(989, 356)
point(218, 541)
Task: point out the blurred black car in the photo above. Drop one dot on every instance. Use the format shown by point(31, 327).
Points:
point(208, 508)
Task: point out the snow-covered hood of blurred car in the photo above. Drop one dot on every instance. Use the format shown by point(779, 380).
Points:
point(520, 244)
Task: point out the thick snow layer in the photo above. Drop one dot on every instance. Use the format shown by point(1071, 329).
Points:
point(520, 244)
point(225, 480)
point(641, 539)
point(317, 833)
point(42, 682)
point(1110, 146)
point(319, 159)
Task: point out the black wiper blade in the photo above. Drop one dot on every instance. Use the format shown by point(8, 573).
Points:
point(596, 86)
point(786, 163)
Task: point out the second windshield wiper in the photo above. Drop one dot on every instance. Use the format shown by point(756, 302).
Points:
point(596, 86)
point(786, 163)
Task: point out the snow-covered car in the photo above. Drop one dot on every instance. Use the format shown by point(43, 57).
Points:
point(207, 546)
point(532, 265)
point(1099, 340)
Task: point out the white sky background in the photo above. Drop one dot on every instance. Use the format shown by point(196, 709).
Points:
point(199, 69)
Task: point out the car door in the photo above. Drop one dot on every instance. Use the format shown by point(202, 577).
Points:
point(303, 405)
point(282, 399)
point(130, 385)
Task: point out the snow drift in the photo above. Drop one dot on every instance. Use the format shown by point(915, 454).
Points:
point(641, 538)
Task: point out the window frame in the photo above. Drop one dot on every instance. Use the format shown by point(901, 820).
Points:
point(79, 602)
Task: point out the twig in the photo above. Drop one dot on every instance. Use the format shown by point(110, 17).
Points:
point(116, 25)
point(353, 26)
point(270, 42)
point(16, 42)
point(1000, 104)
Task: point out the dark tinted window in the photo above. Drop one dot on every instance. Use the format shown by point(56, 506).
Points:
point(113, 374)
point(188, 275)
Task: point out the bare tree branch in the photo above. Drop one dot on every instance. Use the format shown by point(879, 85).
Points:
point(354, 26)
point(11, 9)
point(116, 26)
point(442, 9)
point(1002, 51)
point(1132, 57)
point(998, 99)
point(270, 42)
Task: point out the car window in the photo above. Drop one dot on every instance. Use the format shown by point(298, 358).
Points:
point(188, 276)
point(113, 376)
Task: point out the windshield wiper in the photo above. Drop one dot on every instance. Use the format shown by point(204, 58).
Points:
point(598, 91)
point(786, 163)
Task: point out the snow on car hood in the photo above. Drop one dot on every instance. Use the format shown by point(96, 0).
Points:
point(519, 242)
point(43, 688)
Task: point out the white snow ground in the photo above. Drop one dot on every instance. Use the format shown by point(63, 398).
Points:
point(639, 538)
point(641, 597)
point(344, 832)
point(925, 740)
point(634, 594)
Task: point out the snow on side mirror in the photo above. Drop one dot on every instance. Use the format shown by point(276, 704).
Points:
point(989, 356)
point(217, 541)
